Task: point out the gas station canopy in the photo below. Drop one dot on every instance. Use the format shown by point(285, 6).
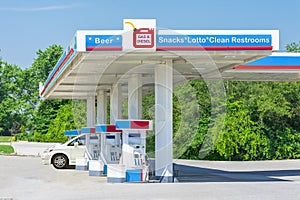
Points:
point(95, 60)
point(276, 67)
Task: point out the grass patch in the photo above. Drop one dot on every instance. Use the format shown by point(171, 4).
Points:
point(5, 138)
point(6, 149)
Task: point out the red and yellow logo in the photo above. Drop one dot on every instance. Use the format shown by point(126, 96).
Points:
point(142, 37)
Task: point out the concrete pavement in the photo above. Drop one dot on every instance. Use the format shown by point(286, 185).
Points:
point(26, 178)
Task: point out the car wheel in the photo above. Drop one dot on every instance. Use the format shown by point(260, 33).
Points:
point(60, 161)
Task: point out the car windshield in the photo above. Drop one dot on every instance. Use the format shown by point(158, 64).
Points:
point(80, 140)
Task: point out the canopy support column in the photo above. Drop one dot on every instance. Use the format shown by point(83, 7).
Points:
point(135, 97)
point(101, 107)
point(90, 110)
point(164, 121)
point(90, 107)
point(101, 114)
point(115, 103)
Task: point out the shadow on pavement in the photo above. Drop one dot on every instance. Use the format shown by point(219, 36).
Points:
point(184, 173)
point(70, 167)
point(67, 167)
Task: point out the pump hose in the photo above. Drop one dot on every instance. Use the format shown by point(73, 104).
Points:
point(133, 26)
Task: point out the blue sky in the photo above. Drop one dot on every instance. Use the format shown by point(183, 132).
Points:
point(27, 26)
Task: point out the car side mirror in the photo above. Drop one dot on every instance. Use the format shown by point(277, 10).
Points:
point(76, 144)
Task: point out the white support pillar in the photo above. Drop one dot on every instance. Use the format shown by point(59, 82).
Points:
point(135, 97)
point(90, 110)
point(164, 121)
point(90, 104)
point(101, 107)
point(115, 103)
point(101, 115)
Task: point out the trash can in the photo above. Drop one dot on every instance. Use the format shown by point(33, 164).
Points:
point(134, 175)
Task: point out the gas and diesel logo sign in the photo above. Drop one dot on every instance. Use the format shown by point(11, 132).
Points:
point(139, 35)
point(142, 37)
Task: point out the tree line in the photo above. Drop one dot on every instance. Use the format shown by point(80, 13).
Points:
point(23, 114)
point(262, 119)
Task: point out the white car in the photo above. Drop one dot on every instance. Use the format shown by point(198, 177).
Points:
point(62, 155)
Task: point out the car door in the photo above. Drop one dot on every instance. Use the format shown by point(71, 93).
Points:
point(78, 149)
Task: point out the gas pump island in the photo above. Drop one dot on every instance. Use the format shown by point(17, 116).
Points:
point(118, 151)
point(138, 60)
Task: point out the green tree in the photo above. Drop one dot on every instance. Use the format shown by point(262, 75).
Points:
point(261, 111)
point(33, 75)
point(196, 117)
point(293, 47)
point(11, 107)
point(46, 113)
point(63, 121)
point(241, 138)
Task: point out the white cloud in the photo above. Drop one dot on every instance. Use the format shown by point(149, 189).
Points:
point(38, 9)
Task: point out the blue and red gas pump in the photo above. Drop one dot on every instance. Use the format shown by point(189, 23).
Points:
point(134, 148)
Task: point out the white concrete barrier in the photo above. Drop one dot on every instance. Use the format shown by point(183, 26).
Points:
point(81, 164)
point(95, 168)
point(116, 173)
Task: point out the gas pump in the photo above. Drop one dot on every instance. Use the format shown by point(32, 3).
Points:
point(110, 143)
point(92, 143)
point(134, 148)
point(110, 146)
point(82, 162)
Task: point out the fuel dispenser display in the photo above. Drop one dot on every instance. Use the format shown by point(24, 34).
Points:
point(112, 147)
point(134, 148)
